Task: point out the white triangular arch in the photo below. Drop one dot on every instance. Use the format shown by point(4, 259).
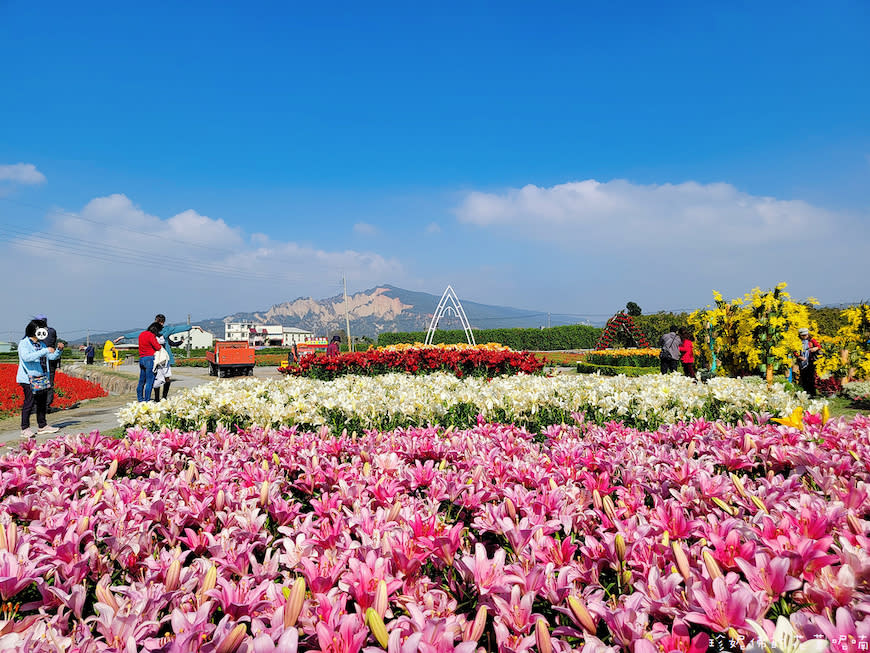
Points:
point(449, 300)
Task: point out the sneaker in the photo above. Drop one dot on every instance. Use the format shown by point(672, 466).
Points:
point(48, 429)
point(27, 433)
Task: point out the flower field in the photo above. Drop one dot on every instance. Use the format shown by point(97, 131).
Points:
point(459, 361)
point(400, 400)
point(68, 391)
point(600, 538)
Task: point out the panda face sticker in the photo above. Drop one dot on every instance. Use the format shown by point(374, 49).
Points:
point(41, 333)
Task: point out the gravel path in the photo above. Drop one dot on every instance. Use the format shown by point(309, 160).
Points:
point(102, 414)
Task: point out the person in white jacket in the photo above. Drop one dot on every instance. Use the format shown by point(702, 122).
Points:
point(34, 378)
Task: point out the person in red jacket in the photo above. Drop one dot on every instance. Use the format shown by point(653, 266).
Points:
point(687, 352)
point(148, 346)
point(806, 360)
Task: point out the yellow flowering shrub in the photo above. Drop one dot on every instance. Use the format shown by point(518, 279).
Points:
point(847, 355)
point(750, 333)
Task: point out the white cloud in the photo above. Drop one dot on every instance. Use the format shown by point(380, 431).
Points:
point(21, 173)
point(365, 229)
point(667, 213)
point(114, 264)
point(433, 228)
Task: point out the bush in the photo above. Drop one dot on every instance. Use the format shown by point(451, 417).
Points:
point(637, 360)
point(614, 370)
point(575, 336)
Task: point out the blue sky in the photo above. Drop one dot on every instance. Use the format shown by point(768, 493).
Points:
point(566, 157)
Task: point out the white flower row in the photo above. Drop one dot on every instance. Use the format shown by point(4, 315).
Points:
point(393, 399)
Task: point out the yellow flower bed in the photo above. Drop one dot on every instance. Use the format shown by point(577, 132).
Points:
point(633, 351)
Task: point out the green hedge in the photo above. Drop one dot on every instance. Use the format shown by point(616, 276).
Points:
point(603, 358)
point(612, 370)
point(575, 336)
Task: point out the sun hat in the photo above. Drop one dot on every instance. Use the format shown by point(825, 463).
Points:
point(803, 332)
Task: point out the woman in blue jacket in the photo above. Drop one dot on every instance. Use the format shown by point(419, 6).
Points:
point(33, 359)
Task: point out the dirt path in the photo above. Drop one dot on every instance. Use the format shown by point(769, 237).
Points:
point(102, 414)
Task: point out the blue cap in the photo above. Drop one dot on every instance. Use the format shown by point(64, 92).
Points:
point(39, 317)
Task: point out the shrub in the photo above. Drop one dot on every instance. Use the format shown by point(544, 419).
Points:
point(575, 336)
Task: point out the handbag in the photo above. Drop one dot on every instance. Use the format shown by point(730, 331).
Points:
point(40, 382)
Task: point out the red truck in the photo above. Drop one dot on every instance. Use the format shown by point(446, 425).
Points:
point(230, 358)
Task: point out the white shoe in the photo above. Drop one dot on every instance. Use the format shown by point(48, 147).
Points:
point(27, 433)
point(48, 429)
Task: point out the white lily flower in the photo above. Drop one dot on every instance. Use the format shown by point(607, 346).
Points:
point(786, 639)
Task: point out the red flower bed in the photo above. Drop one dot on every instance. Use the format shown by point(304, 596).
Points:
point(461, 362)
point(68, 390)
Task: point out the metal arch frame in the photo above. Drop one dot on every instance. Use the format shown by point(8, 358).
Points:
point(449, 297)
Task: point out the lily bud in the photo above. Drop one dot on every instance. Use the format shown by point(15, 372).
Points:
point(42, 470)
point(711, 564)
point(851, 519)
point(854, 455)
point(596, 499)
point(666, 538)
point(276, 460)
point(4, 544)
point(367, 469)
point(626, 576)
point(542, 636)
point(232, 641)
point(265, 465)
point(690, 451)
point(104, 595)
point(294, 600)
point(553, 486)
point(12, 536)
point(380, 603)
point(758, 503)
point(748, 442)
point(724, 506)
point(609, 509)
point(208, 583)
point(264, 494)
point(738, 485)
point(443, 464)
point(477, 474)
point(113, 468)
point(364, 456)
point(826, 414)
point(511, 508)
point(376, 625)
point(220, 500)
point(581, 614)
point(172, 576)
point(81, 527)
point(720, 427)
point(681, 560)
point(619, 545)
point(478, 625)
point(98, 495)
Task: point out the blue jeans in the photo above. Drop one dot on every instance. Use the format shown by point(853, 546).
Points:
point(146, 378)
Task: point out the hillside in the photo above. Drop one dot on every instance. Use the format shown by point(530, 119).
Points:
point(373, 311)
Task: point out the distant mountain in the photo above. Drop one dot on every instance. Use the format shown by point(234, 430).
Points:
point(379, 309)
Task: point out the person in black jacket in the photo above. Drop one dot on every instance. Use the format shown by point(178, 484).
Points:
point(53, 365)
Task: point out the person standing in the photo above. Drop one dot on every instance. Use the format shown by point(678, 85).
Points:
point(89, 354)
point(334, 346)
point(687, 352)
point(669, 356)
point(33, 377)
point(806, 360)
point(148, 346)
point(165, 332)
point(50, 340)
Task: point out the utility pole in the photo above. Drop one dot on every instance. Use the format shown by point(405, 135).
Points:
point(188, 336)
point(347, 316)
point(548, 319)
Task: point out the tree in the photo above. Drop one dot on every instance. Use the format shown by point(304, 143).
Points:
point(633, 309)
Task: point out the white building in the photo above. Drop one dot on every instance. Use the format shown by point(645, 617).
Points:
point(294, 336)
point(237, 330)
point(199, 338)
point(265, 335)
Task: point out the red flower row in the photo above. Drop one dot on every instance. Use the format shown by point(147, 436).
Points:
point(68, 390)
point(461, 362)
